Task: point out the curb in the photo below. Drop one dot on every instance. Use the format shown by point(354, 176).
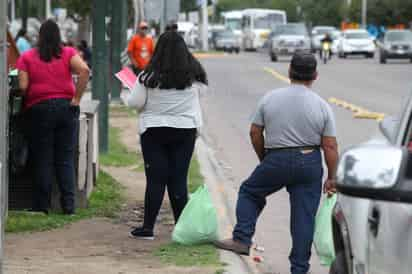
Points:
point(214, 179)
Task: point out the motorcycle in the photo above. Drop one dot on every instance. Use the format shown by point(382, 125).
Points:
point(326, 52)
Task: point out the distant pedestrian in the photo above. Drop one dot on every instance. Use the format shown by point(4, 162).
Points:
point(288, 130)
point(22, 42)
point(140, 49)
point(52, 112)
point(85, 51)
point(168, 125)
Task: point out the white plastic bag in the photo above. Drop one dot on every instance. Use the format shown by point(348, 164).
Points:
point(136, 97)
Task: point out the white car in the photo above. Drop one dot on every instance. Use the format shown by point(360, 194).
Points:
point(336, 36)
point(356, 42)
point(371, 222)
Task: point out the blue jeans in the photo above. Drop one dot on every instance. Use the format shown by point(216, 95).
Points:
point(301, 173)
point(52, 135)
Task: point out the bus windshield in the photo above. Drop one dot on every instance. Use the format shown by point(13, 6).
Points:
point(234, 24)
point(269, 21)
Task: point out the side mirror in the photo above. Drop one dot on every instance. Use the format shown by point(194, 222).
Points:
point(376, 171)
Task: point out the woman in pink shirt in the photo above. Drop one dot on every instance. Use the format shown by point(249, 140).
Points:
point(52, 112)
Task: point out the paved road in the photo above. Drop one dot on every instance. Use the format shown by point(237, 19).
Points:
point(237, 83)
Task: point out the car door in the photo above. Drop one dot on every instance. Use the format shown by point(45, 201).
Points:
point(390, 223)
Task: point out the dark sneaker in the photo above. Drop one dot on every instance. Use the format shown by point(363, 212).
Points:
point(234, 246)
point(142, 233)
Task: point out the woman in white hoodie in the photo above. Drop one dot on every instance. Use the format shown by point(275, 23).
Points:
point(167, 97)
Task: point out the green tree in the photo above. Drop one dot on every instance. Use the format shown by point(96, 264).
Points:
point(188, 5)
point(322, 12)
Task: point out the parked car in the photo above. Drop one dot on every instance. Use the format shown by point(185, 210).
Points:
point(372, 227)
point(396, 44)
point(227, 41)
point(288, 39)
point(318, 33)
point(356, 42)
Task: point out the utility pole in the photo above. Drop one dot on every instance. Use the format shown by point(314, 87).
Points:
point(364, 13)
point(24, 13)
point(116, 37)
point(100, 65)
point(48, 9)
point(4, 95)
point(205, 26)
point(12, 10)
point(163, 16)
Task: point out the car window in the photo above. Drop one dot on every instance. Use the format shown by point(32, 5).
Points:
point(291, 30)
point(323, 31)
point(399, 36)
point(357, 35)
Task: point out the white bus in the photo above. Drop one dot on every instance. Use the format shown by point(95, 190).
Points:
point(257, 24)
point(233, 21)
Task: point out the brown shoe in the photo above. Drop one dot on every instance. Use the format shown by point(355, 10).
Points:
point(233, 246)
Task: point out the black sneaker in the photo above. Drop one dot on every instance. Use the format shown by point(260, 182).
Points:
point(142, 233)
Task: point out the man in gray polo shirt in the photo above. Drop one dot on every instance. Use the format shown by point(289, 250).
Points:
point(290, 127)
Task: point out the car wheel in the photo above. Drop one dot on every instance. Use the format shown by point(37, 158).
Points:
point(339, 264)
point(237, 51)
point(411, 60)
point(273, 57)
point(370, 55)
point(382, 59)
point(344, 55)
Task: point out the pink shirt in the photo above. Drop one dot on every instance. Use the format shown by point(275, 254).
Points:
point(47, 80)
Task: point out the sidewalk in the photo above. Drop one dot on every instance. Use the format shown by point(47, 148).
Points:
point(102, 245)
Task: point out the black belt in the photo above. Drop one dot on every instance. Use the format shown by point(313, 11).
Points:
point(292, 148)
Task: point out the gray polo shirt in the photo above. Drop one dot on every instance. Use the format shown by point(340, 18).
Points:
point(294, 116)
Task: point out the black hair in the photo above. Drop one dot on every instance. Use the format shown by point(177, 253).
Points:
point(83, 44)
point(50, 43)
point(22, 32)
point(172, 65)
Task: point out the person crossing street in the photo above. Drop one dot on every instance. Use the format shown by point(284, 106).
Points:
point(290, 128)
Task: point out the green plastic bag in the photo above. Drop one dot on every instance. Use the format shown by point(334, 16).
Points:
point(323, 238)
point(198, 221)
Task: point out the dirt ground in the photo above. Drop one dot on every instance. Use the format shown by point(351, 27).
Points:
point(99, 245)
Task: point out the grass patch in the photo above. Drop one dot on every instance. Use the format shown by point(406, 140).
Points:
point(121, 109)
point(105, 201)
point(195, 255)
point(195, 177)
point(118, 155)
point(181, 255)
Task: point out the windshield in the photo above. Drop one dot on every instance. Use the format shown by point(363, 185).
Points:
point(323, 31)
point(404, 36)
point(225, 34)
point(234, 24)
point(357, 35)
point(269, 21)
point(291, 30)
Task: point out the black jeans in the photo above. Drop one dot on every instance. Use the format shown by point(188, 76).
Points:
point(52, 133)
point(167, 153)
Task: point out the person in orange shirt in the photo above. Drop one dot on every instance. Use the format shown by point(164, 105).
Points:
point(140, 49)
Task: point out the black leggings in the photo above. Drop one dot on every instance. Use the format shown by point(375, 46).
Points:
point(167, 153)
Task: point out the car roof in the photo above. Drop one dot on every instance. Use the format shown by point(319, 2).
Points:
point(324, 27)
point(355, 31)
point(398, 30)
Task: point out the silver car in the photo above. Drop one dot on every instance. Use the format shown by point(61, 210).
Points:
point(288, 39)
point(227, 41)
point(372, 220)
